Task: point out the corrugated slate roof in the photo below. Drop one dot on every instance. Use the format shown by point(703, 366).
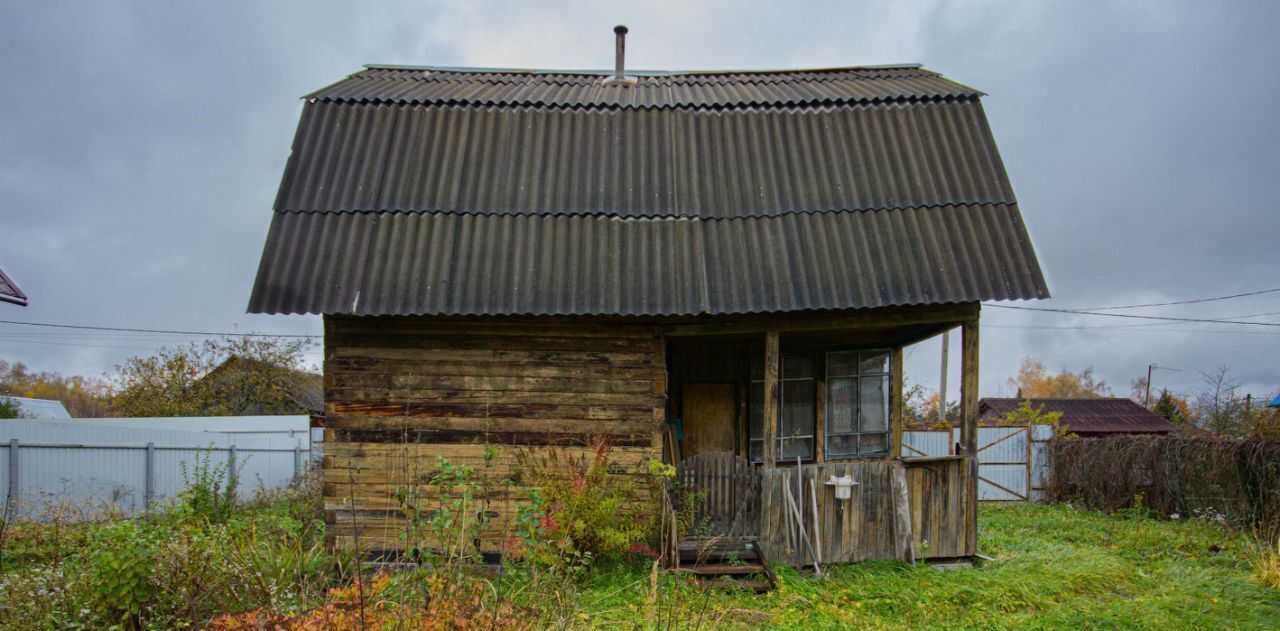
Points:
point(446, 191)
point(9, 291)
point(628, 163)
point(585, 89)
point(1087, 416)
point(451, 263)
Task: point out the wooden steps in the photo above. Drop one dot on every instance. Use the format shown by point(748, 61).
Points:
point(727, 563)
point(729, 585)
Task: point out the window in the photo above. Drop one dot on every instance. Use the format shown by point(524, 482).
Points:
point(797, 392)
point(857, 403)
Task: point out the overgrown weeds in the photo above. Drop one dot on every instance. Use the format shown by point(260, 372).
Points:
point(1265, 560)
point(179, 565)
point(265, 566)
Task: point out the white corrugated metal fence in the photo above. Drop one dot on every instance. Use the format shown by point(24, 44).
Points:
point(87, 467)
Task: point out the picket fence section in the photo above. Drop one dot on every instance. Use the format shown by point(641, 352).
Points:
point(47, 465)
point(1013, 462)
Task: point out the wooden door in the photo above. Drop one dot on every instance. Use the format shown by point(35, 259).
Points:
point(708, 415)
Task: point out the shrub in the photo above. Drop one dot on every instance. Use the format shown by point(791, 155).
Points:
point(209, 491)
point(583, 508)
point(119, 569)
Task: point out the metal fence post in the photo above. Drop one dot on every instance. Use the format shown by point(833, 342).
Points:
point(11, 504)
point(231, 469)
point(149, 490)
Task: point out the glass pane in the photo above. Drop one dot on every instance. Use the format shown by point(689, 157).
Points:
point(755, 409)
point(874, 443)
point(842, 445)
point(797, 408)
point(873, 404)
point(793, 447)
point(755, 449)
point(842, 399)
point(797, 367)
point(757, 367)
point(842, 364)
point(875, 362)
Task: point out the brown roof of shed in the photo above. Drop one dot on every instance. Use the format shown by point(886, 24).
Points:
point(1087, 416)
point(480, 191)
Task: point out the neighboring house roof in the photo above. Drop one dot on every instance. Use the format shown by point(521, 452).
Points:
point(481, 191)
point(39, 408)
point(1086, 416)
point(9, 291)
point(304, 389)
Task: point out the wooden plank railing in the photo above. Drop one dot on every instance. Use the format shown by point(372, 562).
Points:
point(724, 490)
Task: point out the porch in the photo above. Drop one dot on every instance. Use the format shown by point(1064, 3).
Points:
point(829, 392)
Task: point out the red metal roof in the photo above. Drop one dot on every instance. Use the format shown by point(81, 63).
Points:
point(1087, 416)
point(9, 291)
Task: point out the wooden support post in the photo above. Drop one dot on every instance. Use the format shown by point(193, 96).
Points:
point(771, 408)
point(969, 427)
point(897, 405)
point(900, 500)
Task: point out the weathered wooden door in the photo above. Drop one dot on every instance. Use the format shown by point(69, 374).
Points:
point(724, 491)
point(708, 414)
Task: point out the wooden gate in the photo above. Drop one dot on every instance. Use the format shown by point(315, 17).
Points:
point(725, 492)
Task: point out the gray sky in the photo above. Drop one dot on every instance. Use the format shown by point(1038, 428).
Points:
point(141, 145)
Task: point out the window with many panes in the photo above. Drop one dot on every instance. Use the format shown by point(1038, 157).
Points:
point(857, 403)
point(797, 391)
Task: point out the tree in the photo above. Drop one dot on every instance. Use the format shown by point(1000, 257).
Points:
point(1034, 382)
point(83, 397)
point(1220, 408)
point(10, 409)
point(920, 408)
point(1172, 407)
point(1025, 416)
point(218, 377)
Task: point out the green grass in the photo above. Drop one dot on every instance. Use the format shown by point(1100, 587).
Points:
point(1055, 568)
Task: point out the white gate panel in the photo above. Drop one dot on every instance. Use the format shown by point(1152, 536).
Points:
point(1012, 461)
point(926, 443)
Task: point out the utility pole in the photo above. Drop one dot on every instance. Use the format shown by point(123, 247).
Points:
point(942, 385)
point(1146, 400)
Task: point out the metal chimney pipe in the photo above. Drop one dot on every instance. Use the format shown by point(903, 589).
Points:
point(621, 32)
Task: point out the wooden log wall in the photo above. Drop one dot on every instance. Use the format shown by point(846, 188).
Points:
point(862, 528)
point(402, 393)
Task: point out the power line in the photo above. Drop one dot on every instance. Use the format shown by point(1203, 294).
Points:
point(1126, 315)
point(1129, 330)
point(162, 331)
point(1183, 302)
point(1144, 326)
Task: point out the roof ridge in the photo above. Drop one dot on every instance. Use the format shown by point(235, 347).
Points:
point(668, 217)
point(641, 73)
point(793, 105)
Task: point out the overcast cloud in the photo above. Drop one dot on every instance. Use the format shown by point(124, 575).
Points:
point(141, 145)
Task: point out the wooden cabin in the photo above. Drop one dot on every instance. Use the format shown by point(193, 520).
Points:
point(698, 266)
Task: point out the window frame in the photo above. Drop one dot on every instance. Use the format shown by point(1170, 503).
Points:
point(886, 384)
point(812, 436)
